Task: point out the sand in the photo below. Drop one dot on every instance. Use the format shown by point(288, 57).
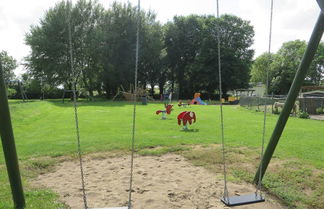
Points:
point(165, 182)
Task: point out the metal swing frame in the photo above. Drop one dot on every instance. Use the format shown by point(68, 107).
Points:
point(292, 95)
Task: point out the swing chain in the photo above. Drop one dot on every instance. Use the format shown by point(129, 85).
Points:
point(226, 195)
point(259, 186)
point(134, 109)
point(74, 80)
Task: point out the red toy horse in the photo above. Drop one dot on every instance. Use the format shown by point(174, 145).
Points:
point(186, 117)
point(167, 110)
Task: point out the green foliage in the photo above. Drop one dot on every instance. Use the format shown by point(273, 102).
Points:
point(11, 92)
point(50, 48)
point(284, 64)
point(191, 44)
point(103, 45)
point(260, 67)
point(8, 64)
point(303, 114)
point(320, 110)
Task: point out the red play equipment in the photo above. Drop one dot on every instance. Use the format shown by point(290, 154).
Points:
point(186, 117)
point(168, 109)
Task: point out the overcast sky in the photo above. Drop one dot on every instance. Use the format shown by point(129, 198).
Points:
point(292, 19)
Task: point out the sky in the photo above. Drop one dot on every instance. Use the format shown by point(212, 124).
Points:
point(292, 19)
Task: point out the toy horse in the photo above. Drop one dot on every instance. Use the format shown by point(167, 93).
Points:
point(186, 117)
point(168, 109)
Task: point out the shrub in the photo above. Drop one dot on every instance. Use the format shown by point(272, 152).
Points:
point(11, 92)
point(303, 114)
point(320, 110)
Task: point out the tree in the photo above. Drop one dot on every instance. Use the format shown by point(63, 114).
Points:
point(183, 42)
point(192, 53)
point(151, 53)
point(119, 49)
point(317, 67)
point(8, 65)
point(120, 27)
point(88, 43)
point(236, 36)
point(49, 41)
point(262, 66)
point(284, 64)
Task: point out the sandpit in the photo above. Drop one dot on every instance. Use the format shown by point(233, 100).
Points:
point(165, 182)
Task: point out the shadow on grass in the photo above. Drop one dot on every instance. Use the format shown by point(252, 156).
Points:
point(85, 103)
point(20, 101)
point(190, 130)
point(97, 102)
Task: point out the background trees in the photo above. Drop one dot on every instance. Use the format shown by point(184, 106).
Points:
point(284, 64)
point(181, 54)
point(191, 44)
point(8, 65)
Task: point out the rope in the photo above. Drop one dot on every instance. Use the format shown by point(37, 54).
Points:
point(134, 110)
point(76, 114)
point(259, 187)
point(226, 196)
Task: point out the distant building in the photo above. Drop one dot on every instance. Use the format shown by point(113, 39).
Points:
point(259, 89)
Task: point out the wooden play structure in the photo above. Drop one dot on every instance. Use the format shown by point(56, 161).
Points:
point(129, 95)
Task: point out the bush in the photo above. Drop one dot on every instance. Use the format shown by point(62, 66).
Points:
point(320, 110)
point(276, 111)
point(303, 114)
point(11, 92)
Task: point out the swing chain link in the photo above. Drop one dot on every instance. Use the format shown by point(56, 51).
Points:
point(134, 109)
point(74, 81)
point(226, 195)
point(259, 186)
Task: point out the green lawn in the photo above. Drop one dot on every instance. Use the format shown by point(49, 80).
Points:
point(48, 129)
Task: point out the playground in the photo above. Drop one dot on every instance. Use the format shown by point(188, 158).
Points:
point(166, 158)
point(97, 153)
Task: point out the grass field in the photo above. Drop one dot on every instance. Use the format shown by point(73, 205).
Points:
point(48, 129)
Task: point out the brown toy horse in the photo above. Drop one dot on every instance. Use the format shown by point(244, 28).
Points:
point(186, 117)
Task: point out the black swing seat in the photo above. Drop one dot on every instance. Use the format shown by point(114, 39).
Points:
point(243, 199)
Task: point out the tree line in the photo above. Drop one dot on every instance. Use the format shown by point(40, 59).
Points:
point(179, 56)
point(282, 67)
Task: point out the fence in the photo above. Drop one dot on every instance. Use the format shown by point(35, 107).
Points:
point(310, 104)
point(257, 103)
point(253, 101)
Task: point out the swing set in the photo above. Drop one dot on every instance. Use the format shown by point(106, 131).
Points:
point(10, 153)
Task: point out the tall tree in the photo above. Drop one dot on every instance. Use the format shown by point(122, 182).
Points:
point(192, 50)
point(263, 67)
point(49, 42)
point(120, 27)
point(316, 73)
point(8, 65)
point(183, 41)
point(151, 53)
point(87, 15)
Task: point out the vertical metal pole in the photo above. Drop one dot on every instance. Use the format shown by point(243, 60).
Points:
point(292, 95)
point(9, 148)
